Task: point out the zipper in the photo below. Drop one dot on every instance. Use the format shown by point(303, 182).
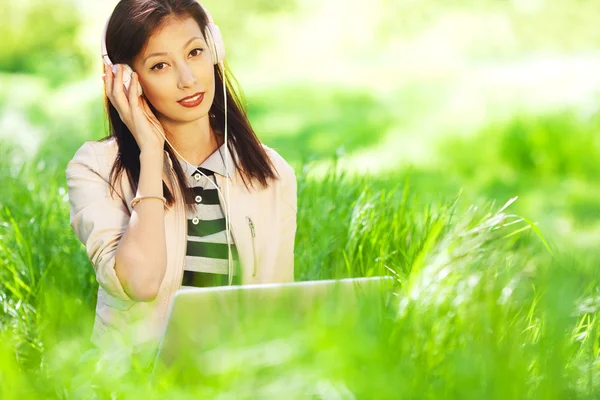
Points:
point(253, 233)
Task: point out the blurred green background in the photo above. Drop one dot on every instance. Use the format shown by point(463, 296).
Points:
point(485, 100)
point(498, 99)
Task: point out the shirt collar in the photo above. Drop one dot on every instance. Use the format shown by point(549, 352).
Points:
point(215, 163)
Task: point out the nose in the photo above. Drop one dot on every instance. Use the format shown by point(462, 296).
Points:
point(186, 77)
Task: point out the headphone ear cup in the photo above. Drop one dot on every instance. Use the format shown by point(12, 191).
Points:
point(127, 76)
point(215, 43)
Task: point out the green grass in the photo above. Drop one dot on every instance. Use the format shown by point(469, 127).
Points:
point(482, 309)
point(548, 160)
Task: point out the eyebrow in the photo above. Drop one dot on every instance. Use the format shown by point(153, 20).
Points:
point(166, 54)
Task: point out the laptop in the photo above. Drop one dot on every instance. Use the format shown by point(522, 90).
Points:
point(205, 322)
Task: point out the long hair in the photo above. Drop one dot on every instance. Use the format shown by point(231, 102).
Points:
point(130, 26)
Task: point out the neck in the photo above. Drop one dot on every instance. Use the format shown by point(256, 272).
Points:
point(195, 141)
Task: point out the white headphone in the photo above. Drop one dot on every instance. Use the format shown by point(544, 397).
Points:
point(216, 46)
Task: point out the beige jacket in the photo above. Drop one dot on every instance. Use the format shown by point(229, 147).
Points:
point(100, 220)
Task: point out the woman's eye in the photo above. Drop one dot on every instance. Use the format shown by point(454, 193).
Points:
point(156, 67)
point(196, 52)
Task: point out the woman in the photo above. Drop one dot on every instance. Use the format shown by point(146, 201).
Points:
point(181, 193)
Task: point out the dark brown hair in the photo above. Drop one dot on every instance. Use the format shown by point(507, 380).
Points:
point(130, 26)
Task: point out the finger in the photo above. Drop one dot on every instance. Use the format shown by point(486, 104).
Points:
point(149, 115)
point(133, 93)
point(108, 80)
point(119, 96)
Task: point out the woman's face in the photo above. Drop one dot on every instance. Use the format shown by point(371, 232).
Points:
point(176, 63)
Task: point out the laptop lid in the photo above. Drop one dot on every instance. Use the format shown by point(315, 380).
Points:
point(204, 320)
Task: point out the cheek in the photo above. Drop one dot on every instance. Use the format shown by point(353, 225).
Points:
point(205, 72)
point(152, 92)
point(157, 95)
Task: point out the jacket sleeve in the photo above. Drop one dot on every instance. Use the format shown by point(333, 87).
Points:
point(97, 219)
point(287, 234)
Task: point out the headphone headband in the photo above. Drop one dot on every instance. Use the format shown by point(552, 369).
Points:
point(210, 18)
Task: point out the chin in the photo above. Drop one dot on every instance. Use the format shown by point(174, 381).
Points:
point(189, 115)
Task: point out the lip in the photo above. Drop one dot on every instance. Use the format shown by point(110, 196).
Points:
point(186, 101)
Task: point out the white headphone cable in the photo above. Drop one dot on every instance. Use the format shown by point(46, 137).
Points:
point(228, 203)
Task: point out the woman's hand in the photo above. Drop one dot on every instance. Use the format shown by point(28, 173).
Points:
point(134, 110)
